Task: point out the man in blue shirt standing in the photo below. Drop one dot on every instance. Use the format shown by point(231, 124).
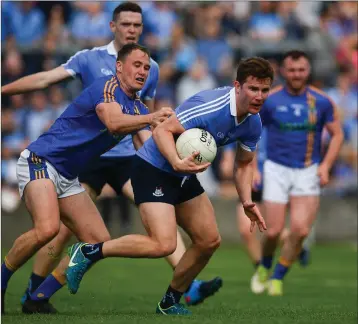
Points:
point(294, 115)
point(90, 65)
point(48, 169)
point(167, 190)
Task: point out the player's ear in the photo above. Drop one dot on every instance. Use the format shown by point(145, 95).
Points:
point(119, 66)
point(112, 26)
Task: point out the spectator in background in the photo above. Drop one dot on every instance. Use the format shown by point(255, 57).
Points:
point(181, 51)
point(345, 95)
point(90, 25)
point(266, 25)
point(13, 67)
point(27, 23)
point(158, 20)
point(197, 79)
point(39, 116)
point(212, 46)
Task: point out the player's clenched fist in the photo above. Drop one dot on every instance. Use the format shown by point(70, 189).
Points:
point(160, 116)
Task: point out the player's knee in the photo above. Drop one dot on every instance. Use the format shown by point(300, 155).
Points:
point(166, 247)
point(246, 235)
point(210, 243)
point(273, 233)
point(46, 233)
point(300, 232)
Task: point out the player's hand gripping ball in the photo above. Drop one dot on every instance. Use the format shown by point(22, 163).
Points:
point(197, 140)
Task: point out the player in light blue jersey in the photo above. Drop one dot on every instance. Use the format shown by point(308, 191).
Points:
point(114, 166)
point(295, 115)
point(167, 190)
point(47, 171)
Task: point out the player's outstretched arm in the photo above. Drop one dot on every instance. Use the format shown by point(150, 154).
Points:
point(111, 115)
point(140, 137)
point(243, 181)
point(163, 136)
point(35, 81)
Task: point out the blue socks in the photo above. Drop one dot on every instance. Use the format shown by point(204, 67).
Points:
point(281, 269)
point(48, 288)
point(266, 261)
point(6, 272)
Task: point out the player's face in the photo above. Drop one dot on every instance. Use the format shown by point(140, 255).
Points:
point(252, 94)
point(296, 73)
point(127, 28)
point(133, 72)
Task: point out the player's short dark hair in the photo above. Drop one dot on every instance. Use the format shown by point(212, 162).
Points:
point(256, 67)
point(129, 48)
point(126, 6)
point(295, 55)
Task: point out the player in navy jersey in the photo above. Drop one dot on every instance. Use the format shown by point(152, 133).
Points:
point(167, 190)
point(114, 166)
point(47, 171)
point(295, 115)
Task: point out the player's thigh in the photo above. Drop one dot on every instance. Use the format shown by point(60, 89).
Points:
point(37, 179)
point(303, 212)
point(274, 215)
point(90, 191)
point(41, 201)
point(127, 190)
point(159, 221)
point(81, 215)
point(197, 217)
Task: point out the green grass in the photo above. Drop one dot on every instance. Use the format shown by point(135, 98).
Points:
point(126, 291)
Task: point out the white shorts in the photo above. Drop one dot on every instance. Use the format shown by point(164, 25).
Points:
point(280, 182)
point(30, 167)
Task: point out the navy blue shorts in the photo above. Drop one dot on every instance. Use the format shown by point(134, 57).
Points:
point(114, 171)
point(151, 184)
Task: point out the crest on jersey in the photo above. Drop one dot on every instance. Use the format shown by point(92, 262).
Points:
point(297, 108)
point(106, 72)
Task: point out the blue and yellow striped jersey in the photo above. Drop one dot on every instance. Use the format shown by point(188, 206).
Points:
point(294, 125)
point(78, 136)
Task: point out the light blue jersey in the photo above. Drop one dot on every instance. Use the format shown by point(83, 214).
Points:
point(215, 111)
point(90, 65)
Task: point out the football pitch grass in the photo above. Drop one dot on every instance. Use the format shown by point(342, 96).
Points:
point(127, 290)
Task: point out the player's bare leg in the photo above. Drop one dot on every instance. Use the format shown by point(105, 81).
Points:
point(303, 213)
point(197, 218)
point(80, 215)
point(274, 214)
point(250, 240)
point(41, 201)
point(174, 258)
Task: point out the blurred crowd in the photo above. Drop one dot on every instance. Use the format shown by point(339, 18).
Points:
point(197, 46)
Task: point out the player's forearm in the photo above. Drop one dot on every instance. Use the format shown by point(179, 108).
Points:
point(32, 82)
point(126, 124)
point(166, 145)
point(333, 150)
point(243, 180)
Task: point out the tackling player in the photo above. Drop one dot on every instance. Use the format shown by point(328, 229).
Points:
point(48, 169)
point(114, 166)
point(166, 192)
point(295, 115)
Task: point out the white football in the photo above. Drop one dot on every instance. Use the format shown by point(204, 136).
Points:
point(196, 139)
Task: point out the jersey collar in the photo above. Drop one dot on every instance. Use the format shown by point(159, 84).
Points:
point(233, 110)
point(111, 49)
point(233, 105)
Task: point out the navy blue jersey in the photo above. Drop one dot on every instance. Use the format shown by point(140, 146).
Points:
point(215, 111)
point(78, 136)
point(89, 65)
point(294, 125)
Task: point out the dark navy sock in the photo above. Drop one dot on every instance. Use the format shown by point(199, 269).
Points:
point(48, 288)
point(266, 261)
point(6, 273)
point(35, 281)
point(93, 251)
point(281, 269)
point(170, 298)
